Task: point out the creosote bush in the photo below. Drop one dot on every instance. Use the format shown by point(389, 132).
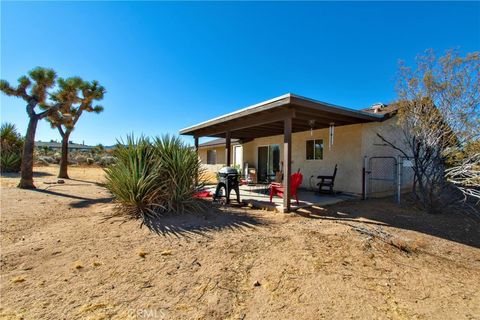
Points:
point(151, 177)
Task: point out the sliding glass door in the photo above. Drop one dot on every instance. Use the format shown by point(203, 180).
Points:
point(268, 162)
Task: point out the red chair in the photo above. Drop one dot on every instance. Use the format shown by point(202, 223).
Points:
point(276, 189)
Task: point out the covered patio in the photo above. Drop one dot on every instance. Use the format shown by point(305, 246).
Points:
point(257, 196)
point(283, 115)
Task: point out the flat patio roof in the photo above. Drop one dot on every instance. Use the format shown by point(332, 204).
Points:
point(266, 118)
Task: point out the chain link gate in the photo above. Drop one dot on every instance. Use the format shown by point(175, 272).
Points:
point(385, 176)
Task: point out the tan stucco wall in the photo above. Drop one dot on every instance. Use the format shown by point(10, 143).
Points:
point(221, 155)
point(345, 152)
point(351, 144)
point(374, 146)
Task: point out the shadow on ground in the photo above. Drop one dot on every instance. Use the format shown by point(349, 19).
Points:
point(83, 201)
point(36, 174)
point(100, 184)
point(213, 219)
point(453, 226)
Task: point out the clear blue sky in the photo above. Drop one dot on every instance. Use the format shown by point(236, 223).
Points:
point(170, 65)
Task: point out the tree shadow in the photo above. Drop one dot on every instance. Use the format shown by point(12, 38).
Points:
point(454, 226)
point(100, 184)
point(36, 174)
point(83, 201)
point(212, 219)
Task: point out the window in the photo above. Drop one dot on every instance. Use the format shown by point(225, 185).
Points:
point(315, 149)
point(211, 156)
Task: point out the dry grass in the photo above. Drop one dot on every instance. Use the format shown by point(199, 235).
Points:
point(18, 279)
point(314, 266)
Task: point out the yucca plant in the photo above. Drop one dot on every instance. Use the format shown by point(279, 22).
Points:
point(11, 148)
point(179, 166)
point(151, 178)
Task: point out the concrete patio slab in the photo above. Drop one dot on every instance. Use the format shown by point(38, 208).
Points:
point(257, 196)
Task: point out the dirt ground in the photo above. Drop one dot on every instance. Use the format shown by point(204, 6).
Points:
point(63, 258)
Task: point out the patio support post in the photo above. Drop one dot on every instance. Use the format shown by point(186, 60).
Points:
point(196, 150)
point(287, 162)
point(228, 148)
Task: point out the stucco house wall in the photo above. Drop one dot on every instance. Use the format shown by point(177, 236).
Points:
point(352, 143)
point(374, 146)
point(221, 158)
point(346, 152)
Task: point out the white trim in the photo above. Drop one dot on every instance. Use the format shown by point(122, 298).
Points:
point(240, 110)
point(287, 95)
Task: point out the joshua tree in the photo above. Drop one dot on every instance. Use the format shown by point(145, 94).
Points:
point(74, 96)
point(33, 89)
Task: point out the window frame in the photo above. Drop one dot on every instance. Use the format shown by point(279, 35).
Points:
point(313, 151)
point(215, 156)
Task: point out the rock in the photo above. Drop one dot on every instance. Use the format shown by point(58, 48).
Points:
point(81, 159)
point(43, 162)
point(256, 284)
point(60, 181)
point(48, 160)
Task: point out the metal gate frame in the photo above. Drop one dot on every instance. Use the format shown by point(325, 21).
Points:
point(396, 179)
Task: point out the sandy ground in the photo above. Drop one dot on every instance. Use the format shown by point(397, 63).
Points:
point(62, 258)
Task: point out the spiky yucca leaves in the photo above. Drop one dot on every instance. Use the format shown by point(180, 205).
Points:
point(10, 162)
point(74, 96)
point(11, 148)
point(149, 179)
point(179, 166)
point(134, 179)
point(33, 89)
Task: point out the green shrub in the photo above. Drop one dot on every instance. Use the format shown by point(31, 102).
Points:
point(149, 178)
point(11, 148)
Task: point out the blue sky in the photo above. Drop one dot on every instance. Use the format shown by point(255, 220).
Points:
point(169, 65)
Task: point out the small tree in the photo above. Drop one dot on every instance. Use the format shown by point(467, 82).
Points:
point(74, 97)
point(98, 149)
point(33, 90)
point(439, 104)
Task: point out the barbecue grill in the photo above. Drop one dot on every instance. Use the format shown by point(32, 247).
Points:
point(228, 180)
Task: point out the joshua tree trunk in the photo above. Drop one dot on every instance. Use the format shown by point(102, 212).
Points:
point(26, 180)
point(64, 160)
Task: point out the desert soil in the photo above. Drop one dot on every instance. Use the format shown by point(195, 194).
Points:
point(64, 257)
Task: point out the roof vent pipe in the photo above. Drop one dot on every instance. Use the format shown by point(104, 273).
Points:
point(376, 107)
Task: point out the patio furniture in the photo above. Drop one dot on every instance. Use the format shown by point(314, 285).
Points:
point(277, 189)
point(202, 194)
point(279, 176)
point(327, 182)
point(252, 175)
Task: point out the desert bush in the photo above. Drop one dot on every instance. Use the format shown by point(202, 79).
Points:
point(150, 178)
point(11, 148)
point(106, 161)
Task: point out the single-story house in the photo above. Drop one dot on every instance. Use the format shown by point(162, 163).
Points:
point(291, 133)
point(57, 146)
